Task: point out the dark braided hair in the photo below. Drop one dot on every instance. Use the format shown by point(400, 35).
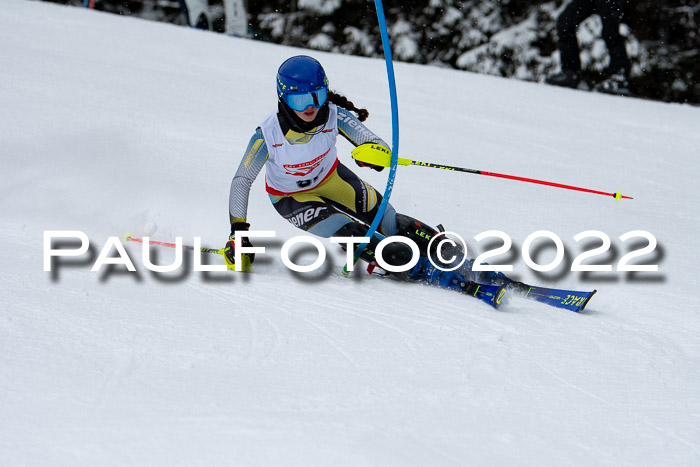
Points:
point(342, 101)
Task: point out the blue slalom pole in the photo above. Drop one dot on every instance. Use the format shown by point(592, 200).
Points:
point(395, 131)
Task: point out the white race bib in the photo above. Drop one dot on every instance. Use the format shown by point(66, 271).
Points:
point(291, 168)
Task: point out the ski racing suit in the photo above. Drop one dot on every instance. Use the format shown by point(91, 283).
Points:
point(310, 188)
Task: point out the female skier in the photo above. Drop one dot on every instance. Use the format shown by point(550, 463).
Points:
point(310, 187)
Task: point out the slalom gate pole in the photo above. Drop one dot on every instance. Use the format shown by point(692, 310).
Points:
point(130, 238)
point(374, 155)
point(395, 133)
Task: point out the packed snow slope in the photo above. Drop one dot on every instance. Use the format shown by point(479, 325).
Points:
point(113, 125)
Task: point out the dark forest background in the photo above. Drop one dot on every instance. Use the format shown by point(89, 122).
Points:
point(510, 38)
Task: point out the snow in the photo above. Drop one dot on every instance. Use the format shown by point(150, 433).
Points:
point(323, 7)
point(112, 125)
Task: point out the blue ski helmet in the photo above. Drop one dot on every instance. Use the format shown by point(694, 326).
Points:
point(301, 82)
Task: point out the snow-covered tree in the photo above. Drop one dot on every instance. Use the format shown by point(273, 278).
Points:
point(510, 38)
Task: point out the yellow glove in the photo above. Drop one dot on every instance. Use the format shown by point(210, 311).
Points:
point(230, 248)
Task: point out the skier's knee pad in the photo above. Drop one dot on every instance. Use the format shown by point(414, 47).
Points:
point(416, 230)
point(394, 254)
point(422, 234)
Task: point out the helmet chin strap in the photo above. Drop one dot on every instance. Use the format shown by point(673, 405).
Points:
point(301, 126)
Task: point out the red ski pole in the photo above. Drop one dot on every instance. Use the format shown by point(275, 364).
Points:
point(377, 155)
point(130, 238)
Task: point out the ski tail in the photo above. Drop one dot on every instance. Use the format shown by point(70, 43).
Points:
point(571, 300)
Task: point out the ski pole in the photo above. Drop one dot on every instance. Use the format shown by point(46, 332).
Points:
point(378, 155)
point(130, 238)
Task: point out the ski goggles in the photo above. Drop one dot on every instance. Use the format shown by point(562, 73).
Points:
point(299, 102)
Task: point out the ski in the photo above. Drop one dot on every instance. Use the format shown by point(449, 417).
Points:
point(571, 300)
point(490, 294)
